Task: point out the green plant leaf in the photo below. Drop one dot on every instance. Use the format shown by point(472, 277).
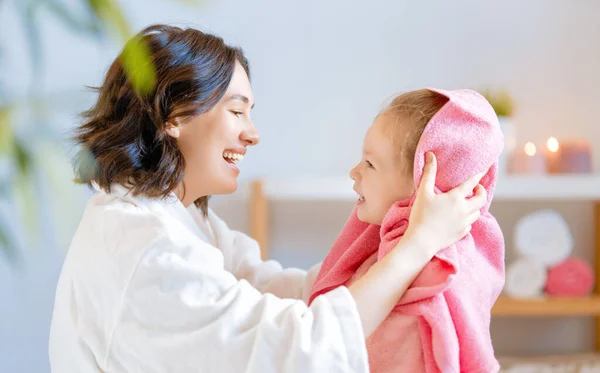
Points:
point(68, 202)
point(501, 101)
point(136, 57)
point(24, 190)
point(6, 134)
point(34, 40)
point(137, 63)
point(23, 158)
point(5, 245)
point(112, 16)
point(3, 238)
point(91, 24)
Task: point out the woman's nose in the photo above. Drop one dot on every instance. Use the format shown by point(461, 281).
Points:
point(250, 135)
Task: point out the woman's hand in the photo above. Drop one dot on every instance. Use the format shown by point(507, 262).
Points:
point(439, 220)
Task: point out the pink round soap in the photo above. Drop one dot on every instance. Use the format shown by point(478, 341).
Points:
point(571, 278)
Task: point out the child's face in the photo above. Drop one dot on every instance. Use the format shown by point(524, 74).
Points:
point(381, 178)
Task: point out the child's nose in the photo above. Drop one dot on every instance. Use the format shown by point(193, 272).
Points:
point(353, 173)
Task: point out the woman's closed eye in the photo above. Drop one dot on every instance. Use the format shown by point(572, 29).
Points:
point(237, 113)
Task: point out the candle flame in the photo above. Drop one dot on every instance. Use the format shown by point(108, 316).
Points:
point(552, 144)
point(530, 149)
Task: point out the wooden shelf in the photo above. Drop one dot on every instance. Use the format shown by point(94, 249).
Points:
point(547, 306)
point(555, 187)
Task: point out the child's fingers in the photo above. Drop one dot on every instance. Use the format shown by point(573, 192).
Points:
point(464, 189)
point(479, 198)
point(429, 172)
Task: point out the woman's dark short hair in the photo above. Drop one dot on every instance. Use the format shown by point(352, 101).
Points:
point(123, 136)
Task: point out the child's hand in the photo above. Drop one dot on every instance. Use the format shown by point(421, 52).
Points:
point(439, 220)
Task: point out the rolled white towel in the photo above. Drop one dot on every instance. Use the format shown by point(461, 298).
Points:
point(544, 236)
point(525, 278)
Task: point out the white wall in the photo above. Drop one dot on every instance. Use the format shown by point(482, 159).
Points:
point(320, 72)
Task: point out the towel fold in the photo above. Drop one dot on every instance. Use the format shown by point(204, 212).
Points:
point(441, 324)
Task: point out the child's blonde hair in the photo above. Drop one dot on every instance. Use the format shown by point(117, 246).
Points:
point(410, 112)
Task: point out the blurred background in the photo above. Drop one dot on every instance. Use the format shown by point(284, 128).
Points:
point(321, 70)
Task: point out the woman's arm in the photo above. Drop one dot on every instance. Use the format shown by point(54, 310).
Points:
point(243, 259)
point(182, 312)
point(436, 222)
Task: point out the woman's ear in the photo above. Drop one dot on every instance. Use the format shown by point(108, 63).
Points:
point(173, 128)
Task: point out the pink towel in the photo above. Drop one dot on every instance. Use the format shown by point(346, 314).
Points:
point(441, 324)
point(572, 277)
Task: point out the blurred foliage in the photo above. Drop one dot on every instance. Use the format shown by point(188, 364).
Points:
point(6, 136)
point(501, 101)
point(96, 19)
point(138, 66)
point(101, 17)
point(5, 243)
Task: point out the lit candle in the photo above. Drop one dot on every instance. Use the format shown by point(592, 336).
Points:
point(530, 149)
point(568, 156)
point(527, 161)
point(552, 144)
point(552, 155)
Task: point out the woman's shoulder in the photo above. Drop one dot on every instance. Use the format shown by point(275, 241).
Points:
point(112, 237)
point(116, 234)
point(111, 214)
point(114, 230)
point(119, 225)
point(120, 219)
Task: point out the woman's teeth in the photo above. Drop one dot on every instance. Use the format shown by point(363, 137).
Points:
point(234, 157)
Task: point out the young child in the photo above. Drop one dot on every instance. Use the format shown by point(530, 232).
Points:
point(441, 324)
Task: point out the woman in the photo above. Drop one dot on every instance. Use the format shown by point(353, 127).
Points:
point(154, 281)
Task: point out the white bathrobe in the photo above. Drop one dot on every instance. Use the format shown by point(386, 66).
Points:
point(152, 287)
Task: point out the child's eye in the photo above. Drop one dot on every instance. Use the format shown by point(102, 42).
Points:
point(369, 164)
